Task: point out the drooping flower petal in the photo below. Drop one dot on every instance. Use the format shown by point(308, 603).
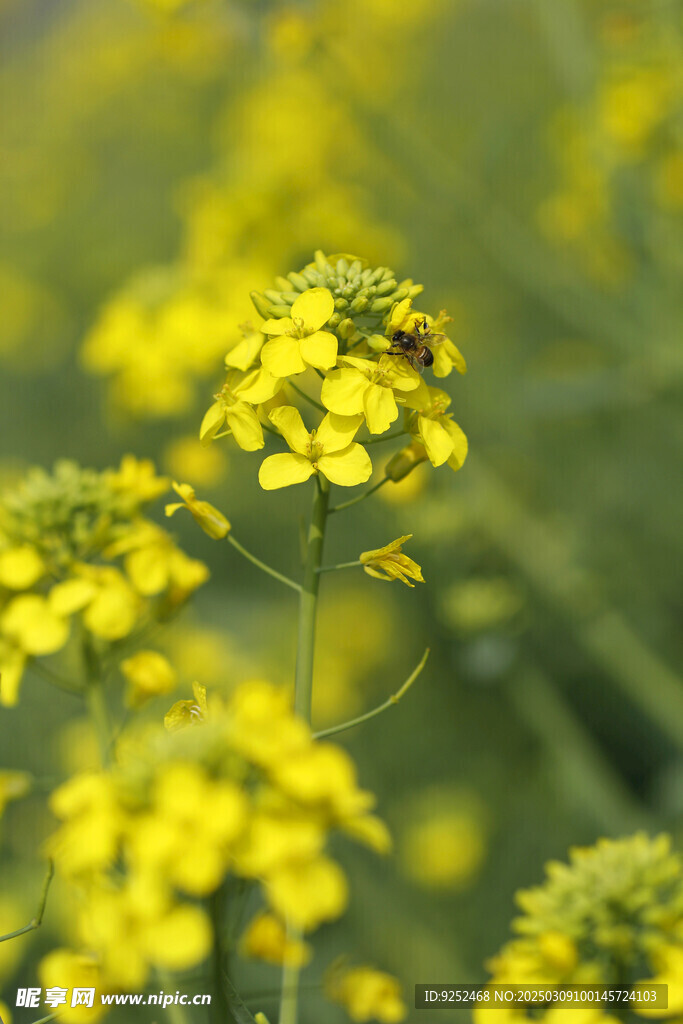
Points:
point(214, 418)
point(437, 441)
point(274, 328)
point(288, 421)
point(348, 467)
point(245, 426)
point(460, 446)
point(284, 470)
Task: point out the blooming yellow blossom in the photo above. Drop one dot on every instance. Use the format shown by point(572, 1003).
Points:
point(329, 449)
point(206, 515)
point(367, 994)
point(266, 939)
point(154, 563)
point(13, 785)
point(298, 341)
point(188, 712)
point(137, 478)
point(233, 412)
point(434, 428)
point(93, 824)
point(446, 355)
point(149, 674)
point(367, 387)
point(389, 563)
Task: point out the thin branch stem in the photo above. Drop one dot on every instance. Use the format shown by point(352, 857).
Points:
point(361, 497)
point(37, 920)
point(50, 1016)
point(390, 702)
point(307, 398)
point(262, 565)
point(54, 678)
point(384, 437)
point(342, 565)
point(176, 1012)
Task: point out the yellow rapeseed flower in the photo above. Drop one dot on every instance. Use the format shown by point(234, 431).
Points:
point(389, 563)
point(233, 412)
point(434, 428)
point(367, 994)
point(366, 387)
point(308, 892)
point(329, 449)
point(20, 567)
point(266, 939)
point(298, 341)
point(188, 712)
point(149, 674)
point(206, 515)
point(31, 623)
point(63, 968)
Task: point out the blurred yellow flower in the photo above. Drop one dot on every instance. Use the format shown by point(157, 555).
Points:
point(206, 515)
point(366, 994)
point(443, 848)
point(5, 1015)
point(137, 478)
point(32, 624)
point(308, 892)
point(187, 458)
point(297, 340)
point(149, 674)
point(266, 939)
point(329, 449)
point(62, 968)
point(365, 387)
point(389, 563)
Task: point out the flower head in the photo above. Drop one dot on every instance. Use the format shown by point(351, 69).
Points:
point(433, 427)
point(363, 386)
point(297, 340)
point(206, 515)
point(329, 450)
point(366, 993)
point(389, 563)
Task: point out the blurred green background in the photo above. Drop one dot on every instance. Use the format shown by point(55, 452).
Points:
point(523, 159)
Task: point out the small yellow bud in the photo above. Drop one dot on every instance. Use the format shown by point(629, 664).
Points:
point(206, 515)
point(261, 304)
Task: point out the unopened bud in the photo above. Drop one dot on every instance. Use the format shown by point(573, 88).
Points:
point(378, 343)
point(360, 304)
point(261, 304)
point(381, 305)
point(404, 462)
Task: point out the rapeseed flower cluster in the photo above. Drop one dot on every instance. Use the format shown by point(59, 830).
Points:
point(232, 788)
point(613, 915)
point(79, 559)
point(327, 345)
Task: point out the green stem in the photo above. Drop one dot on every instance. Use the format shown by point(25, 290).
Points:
point(262, 565)
point(97, 707)
point(341, 565)
point(176, 1012)
point(389, 703)
point(308, 602)
point(303, 688)
point(220, 1010)
point(306, 397)
point(384, 437)
point(37, 920)
point(361, 497)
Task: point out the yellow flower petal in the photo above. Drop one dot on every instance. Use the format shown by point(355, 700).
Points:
point(20, 567)
point(282, 357)
point(180, 939)
point(30, 621)
point(309, 893)
point(259, 386)
point(380, 408)
point(276, 327)
point(245, 426)
point(319, 349)
point(284, 470)
point(71, 596)
point(113, 612)
point(348, 467)
point(336, 432)
point(12, 664)
point(314, 307)
point(460, 446)
point(437, 441)
point(147, 571)
point(148, 674)
point(214, 418)
point(342, 391)
point(288, 421)
point(245, 352)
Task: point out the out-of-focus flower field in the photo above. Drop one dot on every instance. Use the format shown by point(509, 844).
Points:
point(161, 160)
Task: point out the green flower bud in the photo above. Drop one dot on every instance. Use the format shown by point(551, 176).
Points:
point(289, 297)
point(278, 311)
point(381, 305)
point(342, 267)
point(386, 287)
point(404, 462)
point(378, 343)
point(334, 320)
point(282, 283)
point(360, 304)
point(299, 281)
point(261, 304)
point(340, 304)
point(346, 329)
point(272, 295)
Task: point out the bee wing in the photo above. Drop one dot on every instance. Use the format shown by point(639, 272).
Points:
point(430, 340)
